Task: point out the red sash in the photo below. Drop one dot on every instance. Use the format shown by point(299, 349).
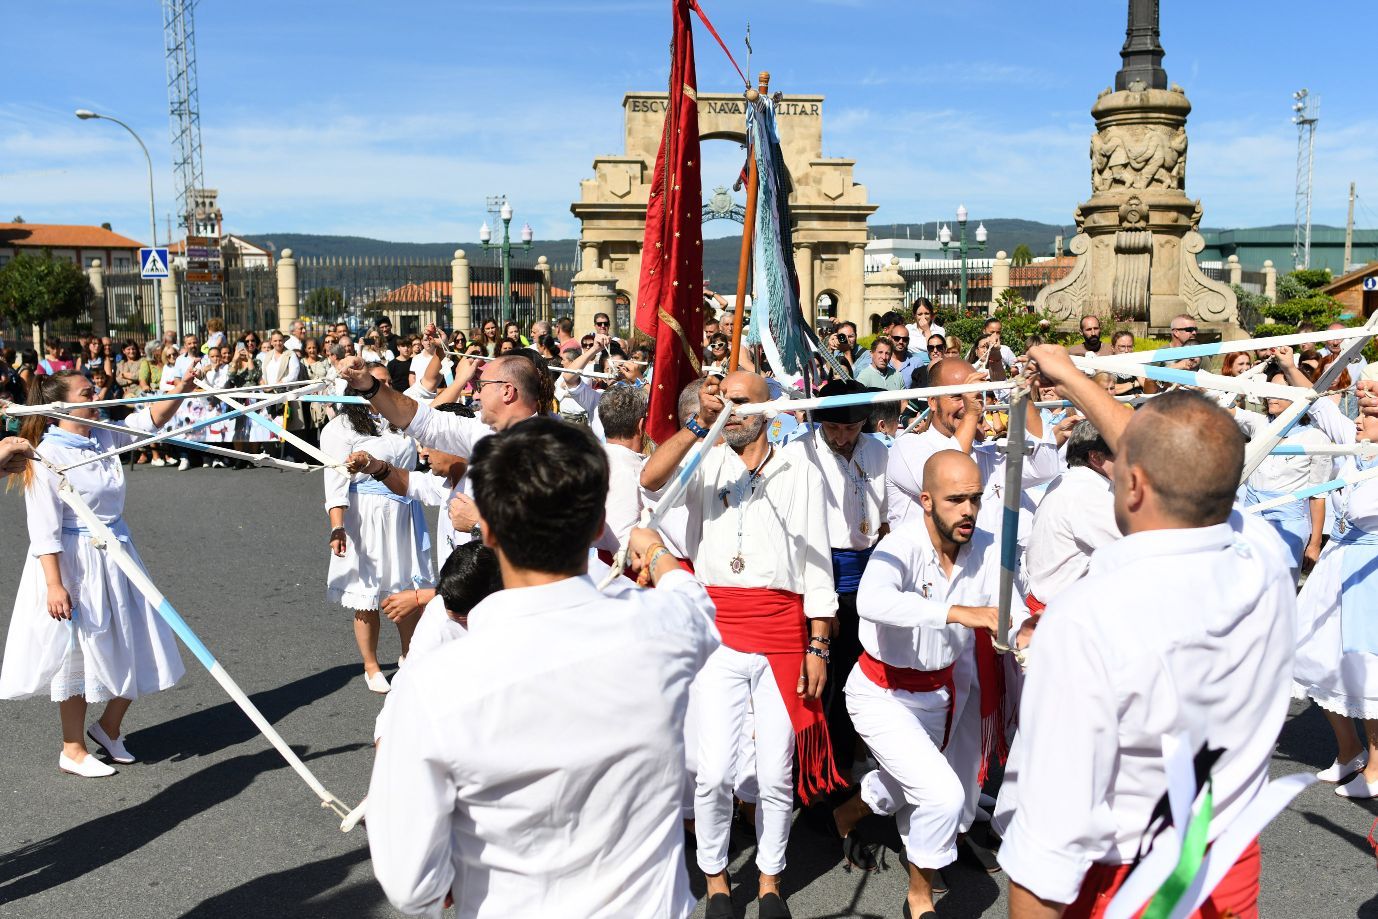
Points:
point(887, 677)
point(1236, 897)
point(1035, 605)
point(990, 674)
point(761, 620)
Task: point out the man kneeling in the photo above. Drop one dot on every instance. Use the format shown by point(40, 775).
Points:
point(535, 768)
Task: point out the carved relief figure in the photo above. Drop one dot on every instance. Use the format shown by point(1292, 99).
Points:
point(1156, 161)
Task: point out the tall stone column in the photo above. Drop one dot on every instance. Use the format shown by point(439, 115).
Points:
point(885, 290)
point(168, 292)
point(1236, 269)
point(589, 252)
point(460, 303)
point(595, 291)
point(853, 306)
point(287, 289)
point(803, 266)
point(544, 309)
point(100, 321)
point(1270, 281)
point(999, 277)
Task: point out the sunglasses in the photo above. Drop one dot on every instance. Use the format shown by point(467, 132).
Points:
point(602, 325)
point(899, 337)
point(1186, 328)
point(936, 347)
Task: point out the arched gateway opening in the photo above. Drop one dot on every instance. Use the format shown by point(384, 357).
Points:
point(829, 209)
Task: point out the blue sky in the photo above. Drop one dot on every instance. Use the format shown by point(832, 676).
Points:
point(395, 120)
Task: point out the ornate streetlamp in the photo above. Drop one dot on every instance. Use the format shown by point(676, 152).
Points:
point(945, 240)
point(485, 236)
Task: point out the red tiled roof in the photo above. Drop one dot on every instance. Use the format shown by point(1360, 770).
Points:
point(62, 236)
point(441, 291)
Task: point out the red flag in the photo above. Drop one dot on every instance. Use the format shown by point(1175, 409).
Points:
point(669, 300)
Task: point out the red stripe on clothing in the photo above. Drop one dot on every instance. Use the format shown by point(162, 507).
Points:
point(761, 620)
point(887, 677)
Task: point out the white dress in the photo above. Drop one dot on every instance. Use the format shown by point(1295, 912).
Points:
point(116, 644)
point(220, 431)
point(386, 551)
point(283, 368)
point(1345, 682)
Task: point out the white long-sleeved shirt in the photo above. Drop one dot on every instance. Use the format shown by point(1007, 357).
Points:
point(339, 439)
point(905, 596)
point(1357, 505)
point(1288, 473)
point(780, 527)
point(435, 491)
point(535, 768)
point(854, 489)
point(624, 491)
point(1075, 518)
point(1199, 645)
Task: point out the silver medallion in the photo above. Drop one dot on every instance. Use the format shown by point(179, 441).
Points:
point(738, 564)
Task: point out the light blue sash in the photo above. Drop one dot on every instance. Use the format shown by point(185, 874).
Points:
point(1292, 520)
point(1359, 590)
point(418, 516)
point(117, 526)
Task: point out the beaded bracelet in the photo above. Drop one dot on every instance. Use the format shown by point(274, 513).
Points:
point(827, 656)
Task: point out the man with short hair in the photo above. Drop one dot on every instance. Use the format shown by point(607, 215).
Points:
point(1349, 402)
point(533, 769)
point(539, 330)
point(1090, 336)
point(929, 587)
point(386, 340)
point(296, 336)
point(622, 411)
point(602, 324)
point(880, 371)
point(845, 344)
point(564, 335)
point(901, 357)
point(758, 539)
point(1199, 649)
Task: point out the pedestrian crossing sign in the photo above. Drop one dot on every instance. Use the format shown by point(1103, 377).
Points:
point(152, 262)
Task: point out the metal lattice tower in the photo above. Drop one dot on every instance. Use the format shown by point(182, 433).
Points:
point(1306, 111)
point(184, 107)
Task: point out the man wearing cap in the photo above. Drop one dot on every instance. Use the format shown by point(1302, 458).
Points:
point(853, 469)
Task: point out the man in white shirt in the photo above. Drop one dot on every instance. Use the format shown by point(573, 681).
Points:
point(1349, 404)
point(929, 585)
point(1198, 646)
point(533, 769)
point(623, 413)
point(296, 336)
point(853, 468)
point(757, 535)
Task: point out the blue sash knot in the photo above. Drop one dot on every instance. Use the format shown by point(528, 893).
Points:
point(418, 516)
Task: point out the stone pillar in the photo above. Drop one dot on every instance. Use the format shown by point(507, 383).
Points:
point(999, 277)
point(1270, 281)
point(853, 305)
point(100, 321)
point(544, 310)
point(803, 266)
point(589, 250)
point(168, 291)
point(595, 291)
point(884, 290)
point(1236, 270)
point(460, 303)
point(287, 289)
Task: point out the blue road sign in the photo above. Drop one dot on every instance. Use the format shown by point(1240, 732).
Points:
point(153, 263)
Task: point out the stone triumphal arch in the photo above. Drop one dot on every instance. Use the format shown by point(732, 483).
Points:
point(829, 209)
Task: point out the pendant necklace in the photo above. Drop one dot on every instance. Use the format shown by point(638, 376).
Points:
point(859, 484)
point(744, 493)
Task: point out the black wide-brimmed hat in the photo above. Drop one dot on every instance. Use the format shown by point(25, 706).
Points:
point(848, 414)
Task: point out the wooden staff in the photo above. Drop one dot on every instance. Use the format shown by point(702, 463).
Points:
point(748, 231)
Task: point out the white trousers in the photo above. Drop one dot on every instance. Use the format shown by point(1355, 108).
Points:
point(746, 756)
point(733, 687)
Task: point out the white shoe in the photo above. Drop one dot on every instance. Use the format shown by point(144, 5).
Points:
point(88, 768)
point(1338, 770)
point(377, 682)
point(157, 462)
point(1358, 787)
point(184, 465)
point(112, 745)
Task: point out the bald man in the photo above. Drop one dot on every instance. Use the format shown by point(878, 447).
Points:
point(758, 537)
point(930, 584)
point(1197, 644)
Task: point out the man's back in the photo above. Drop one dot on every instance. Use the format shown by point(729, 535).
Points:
point(550, 744)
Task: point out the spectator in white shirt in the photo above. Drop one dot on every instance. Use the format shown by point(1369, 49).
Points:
point(622, 410)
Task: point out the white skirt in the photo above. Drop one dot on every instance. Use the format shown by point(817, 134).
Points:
point(382, 556)
point(115, 645)
point(1344, 683)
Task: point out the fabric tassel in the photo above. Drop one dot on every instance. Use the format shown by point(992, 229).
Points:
point(990, 674)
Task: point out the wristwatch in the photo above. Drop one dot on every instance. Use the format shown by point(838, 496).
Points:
point(695, 428)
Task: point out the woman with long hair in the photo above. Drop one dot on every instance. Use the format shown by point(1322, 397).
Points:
point(81, 633)
point(130, 372)
point(379, 542)
point(489, 337)
point(316, 367)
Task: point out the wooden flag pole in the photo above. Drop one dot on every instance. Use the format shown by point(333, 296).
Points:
point(748, 231)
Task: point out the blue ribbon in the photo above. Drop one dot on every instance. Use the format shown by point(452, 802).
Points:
point(418, 516)
point(1292, 521)
point(1359, 590)
point(69, 439)
point(117, 526)
point(848, 564)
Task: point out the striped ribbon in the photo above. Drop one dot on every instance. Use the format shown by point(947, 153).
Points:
point(43, 409)
point(1312, 491)
point(1248, 344)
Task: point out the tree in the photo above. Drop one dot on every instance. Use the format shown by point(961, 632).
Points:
point(1023, 255)
point(37, 289)
point(106, 226)
point(324, 302)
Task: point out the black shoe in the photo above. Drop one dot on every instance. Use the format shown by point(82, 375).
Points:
point(719, 907)
point(772, 906)
point(977, 854)
point(939, 884)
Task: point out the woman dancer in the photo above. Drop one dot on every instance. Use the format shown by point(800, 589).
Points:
point(81, 632)
point(1337, 632)
point(379, 541)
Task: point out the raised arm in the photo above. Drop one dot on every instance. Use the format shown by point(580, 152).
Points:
point(392, 405)
point(666, 459)
point(1099, 407)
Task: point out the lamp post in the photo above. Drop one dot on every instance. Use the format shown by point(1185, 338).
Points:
point(945, 240)
point(485, 236)
point(87, 115)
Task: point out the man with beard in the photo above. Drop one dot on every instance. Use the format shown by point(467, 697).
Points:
point(932, 582)
point(758, 537)
point(853, 468)
point(1090, 337)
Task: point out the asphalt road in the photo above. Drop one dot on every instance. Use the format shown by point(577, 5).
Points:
point(212, 823)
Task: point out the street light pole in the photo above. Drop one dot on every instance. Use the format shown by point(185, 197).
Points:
point(485, 236)
point(945, 240)
point(86, 115)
